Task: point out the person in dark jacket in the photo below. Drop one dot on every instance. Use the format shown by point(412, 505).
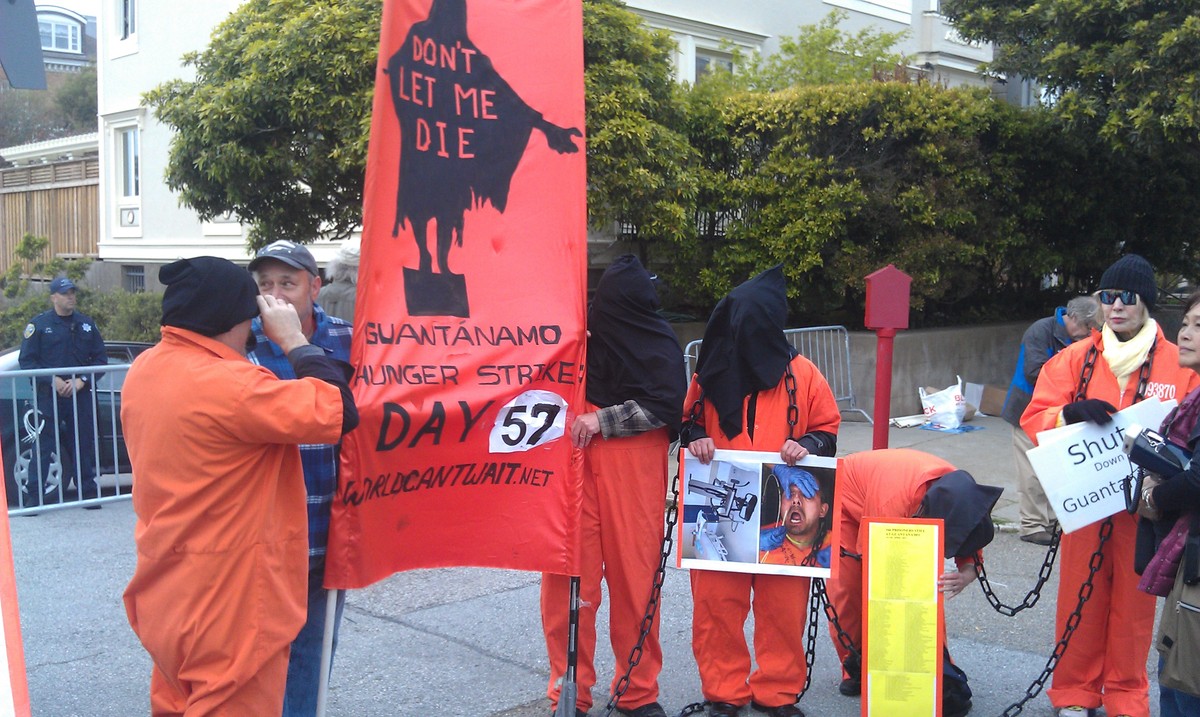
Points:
point(1042, 340)
point(61, 338)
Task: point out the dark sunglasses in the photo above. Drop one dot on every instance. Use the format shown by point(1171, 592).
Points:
point(1129, 298)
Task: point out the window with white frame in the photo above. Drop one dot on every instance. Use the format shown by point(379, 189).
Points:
point(126, 19)
point(711, 60)
point(124, 149)
point(127, 163)
point(59, 35)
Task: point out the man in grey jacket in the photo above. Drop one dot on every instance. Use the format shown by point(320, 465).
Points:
point(1042, 340)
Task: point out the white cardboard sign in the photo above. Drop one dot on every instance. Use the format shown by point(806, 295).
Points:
point(1081, 466)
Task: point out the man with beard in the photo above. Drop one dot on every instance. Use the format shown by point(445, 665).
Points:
point(635, 387)
point(801, 535)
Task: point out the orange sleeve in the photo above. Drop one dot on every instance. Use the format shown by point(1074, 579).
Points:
point(822, 412)
point(689, 402)
point(1055, 388)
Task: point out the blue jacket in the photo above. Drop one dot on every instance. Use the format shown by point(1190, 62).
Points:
point(53, 341)
point(320, 461)
point(1042, 340)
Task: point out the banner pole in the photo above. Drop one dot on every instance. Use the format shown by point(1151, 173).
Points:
point(326, 651)
point(568, 694)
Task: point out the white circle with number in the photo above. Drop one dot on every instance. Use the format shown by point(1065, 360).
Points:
point(532, 419)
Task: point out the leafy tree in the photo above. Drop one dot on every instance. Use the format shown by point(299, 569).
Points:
point(274, 127)
point(1127, 69)
point(76, 100)
point(819, 54)
point(639, 162)
point(28, 116)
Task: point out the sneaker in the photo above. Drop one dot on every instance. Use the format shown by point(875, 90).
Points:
point(1041, 537)
point(652, 709)
point(722, 709)
point(780, 711)
point(851, 687)
point(1076, 711)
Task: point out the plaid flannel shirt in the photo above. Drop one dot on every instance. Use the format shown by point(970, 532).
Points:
point(626, 419)
point(320, 460)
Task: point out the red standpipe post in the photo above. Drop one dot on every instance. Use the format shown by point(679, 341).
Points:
point(884, 339)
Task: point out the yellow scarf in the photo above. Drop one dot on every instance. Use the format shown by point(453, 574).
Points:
point(1125, 357)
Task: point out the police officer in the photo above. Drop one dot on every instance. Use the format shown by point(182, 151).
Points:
point(63, 337)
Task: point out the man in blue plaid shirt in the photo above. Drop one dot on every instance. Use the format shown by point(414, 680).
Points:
point(288, 271)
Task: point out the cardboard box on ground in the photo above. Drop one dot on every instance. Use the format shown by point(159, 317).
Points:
point(988, 399)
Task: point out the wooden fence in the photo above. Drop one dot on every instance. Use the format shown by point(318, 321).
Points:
point(59, 201)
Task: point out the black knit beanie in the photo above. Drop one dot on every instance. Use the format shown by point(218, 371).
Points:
point(207, 295)
point(1133, 273)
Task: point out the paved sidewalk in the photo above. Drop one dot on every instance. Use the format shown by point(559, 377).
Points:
point(467, 642)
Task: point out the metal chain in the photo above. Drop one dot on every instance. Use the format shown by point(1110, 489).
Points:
point(1085, 593)
point(831, 615)
point(635, 654)
point(1034, 594)
point(793, 411)
point(1085, 372)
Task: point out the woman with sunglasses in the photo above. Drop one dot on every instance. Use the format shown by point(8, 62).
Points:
point(1129, 360)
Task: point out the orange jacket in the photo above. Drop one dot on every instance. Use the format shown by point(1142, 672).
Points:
point(1059, 378)
point(221, 532)
point(818, 411)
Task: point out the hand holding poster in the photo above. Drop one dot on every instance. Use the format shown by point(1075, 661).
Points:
point(749, 512)
point(1082, 466)
point(469, 340)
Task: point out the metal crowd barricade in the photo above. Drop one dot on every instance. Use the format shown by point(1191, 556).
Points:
point(26, 421)
point(826, 346)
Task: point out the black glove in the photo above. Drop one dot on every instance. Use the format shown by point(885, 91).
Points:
point(1092, 410)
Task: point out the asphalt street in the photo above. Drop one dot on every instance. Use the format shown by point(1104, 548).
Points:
point(466, 642)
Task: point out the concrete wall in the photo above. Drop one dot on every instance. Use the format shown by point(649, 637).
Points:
point(925, 357)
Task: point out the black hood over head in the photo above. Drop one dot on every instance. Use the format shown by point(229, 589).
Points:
point(745, 350)
point(632, 353)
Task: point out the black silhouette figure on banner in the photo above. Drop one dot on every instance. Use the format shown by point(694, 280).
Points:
point(463, 131)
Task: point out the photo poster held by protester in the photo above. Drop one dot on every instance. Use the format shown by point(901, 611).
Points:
point(903, 617)
point(748, 512)
point(469, 335)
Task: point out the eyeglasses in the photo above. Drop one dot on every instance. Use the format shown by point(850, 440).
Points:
point(1108, 298)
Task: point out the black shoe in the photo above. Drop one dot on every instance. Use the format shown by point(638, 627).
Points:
point(851, 687)
point(781, 711)
point(96, 506)
point(652, 709)
point(722, 709)
point(578, 713)
point(1041, 537)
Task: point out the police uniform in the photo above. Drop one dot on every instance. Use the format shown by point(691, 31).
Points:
point(53, 341)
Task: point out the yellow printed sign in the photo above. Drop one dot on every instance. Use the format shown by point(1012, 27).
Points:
point(902, 620)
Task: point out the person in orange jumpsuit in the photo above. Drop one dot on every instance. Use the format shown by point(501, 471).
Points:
point(635, 387)
point(221, 580)
point(1130, 359)
point(752, 391)
point(801, 535)
point(904, 483)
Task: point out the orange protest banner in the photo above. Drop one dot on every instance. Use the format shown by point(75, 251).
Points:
point(469, 339)
point(14, 685)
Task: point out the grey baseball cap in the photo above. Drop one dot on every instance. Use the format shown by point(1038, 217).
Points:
point(289, 252)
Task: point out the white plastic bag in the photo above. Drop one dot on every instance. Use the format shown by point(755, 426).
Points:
point(945, 408)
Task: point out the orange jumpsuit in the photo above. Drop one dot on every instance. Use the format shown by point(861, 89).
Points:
point(621, 528)
point(1105, 661)
point(721, 600)
point(220, 585)
point(875, 484)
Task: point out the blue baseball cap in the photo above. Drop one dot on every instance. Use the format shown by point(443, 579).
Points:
point(61, 285)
